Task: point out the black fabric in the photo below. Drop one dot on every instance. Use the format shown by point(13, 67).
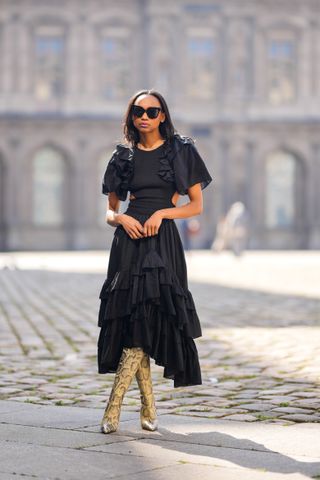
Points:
point(146, 183)
point(118, 172)
point(145, 300)
point(189, 169)
point(180, 164)
point(112, 181)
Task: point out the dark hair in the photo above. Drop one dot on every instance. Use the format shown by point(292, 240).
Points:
point(166, 128)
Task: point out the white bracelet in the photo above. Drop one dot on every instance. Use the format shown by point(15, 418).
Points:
point(110, 218)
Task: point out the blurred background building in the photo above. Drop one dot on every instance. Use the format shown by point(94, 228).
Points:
point(241, 77)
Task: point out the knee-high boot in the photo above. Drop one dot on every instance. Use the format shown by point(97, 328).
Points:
point(128, 364)
point(148, 413)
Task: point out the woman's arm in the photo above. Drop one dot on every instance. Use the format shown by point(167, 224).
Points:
point(113, 204)
point(194, 207)
point(132, 226)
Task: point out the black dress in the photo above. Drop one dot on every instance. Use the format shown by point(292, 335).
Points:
point(145, 301)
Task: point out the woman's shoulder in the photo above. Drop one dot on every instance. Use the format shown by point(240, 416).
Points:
point(180, 147)
point(180, 139)
point(177, 140)
point(182, 143)
point(123, 146)
point(177, 144)
point(189, 167)
point(121, 151)
point(118, 171)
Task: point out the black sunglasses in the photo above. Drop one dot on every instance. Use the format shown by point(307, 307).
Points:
point(152, 112)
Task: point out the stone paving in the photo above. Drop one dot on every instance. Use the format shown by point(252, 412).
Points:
point(259, 352)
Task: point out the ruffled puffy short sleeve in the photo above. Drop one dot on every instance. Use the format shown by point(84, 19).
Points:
point(111, 180)
point(190, 168)
point(118, 172)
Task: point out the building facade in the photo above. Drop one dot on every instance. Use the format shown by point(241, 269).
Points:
point(241, 77)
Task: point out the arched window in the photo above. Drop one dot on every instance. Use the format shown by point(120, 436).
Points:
point(48, 180)
point(280, 189)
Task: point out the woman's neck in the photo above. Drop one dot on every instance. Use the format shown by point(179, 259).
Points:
point(150, 141)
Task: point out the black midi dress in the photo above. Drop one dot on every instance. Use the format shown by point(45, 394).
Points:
point(145, 300)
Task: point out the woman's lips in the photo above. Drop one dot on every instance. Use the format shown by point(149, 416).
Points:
point(144, 124)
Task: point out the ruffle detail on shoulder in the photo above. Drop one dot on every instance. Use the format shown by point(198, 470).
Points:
point(188, 165)
point(119, 172)
point(166, 171)
point(171, 148)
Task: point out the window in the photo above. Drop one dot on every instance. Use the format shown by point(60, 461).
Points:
point(280, 188)
point(49, 63)
point(201, 67)
point(115, 76)
point(281, 71)
point(48, 180)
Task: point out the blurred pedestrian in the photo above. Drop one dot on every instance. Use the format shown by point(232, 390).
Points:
point(233, 230)
point(220, 241)
point(238, 226)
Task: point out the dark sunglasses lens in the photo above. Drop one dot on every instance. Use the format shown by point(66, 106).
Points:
point(153, 112)
point(137, 111)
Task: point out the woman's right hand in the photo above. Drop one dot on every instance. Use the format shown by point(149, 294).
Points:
point(131, 225)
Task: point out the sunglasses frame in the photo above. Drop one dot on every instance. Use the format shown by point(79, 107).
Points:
point(143, 110)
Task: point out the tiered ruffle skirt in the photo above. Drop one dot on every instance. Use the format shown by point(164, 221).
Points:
point(145, 302)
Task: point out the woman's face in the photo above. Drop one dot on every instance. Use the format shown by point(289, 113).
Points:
point(145, 124)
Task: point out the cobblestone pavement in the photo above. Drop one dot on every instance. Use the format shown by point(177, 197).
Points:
point(259, 352)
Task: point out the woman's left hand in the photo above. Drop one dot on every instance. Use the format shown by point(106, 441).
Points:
point(152, 225)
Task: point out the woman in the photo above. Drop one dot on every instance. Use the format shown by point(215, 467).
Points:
point(146, 308)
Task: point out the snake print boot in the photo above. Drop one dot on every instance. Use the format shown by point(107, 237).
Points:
point(148, 413)
point(128, 364)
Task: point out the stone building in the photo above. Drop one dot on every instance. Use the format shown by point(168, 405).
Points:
point(241, 77)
